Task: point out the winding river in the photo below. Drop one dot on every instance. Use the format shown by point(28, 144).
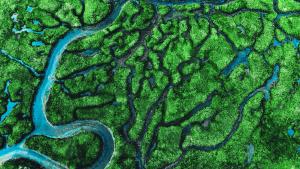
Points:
point(42, 127)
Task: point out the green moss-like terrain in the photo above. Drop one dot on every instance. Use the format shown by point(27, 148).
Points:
point(181, 84)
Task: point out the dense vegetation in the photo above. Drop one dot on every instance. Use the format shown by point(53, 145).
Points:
point(191, 85)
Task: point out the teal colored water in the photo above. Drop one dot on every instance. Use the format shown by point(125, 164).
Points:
point(37, 43)
point(36, 22)
point(10, 104)
point(29, 9)
point(41, 124)
point(242, 58)
point(291, 132)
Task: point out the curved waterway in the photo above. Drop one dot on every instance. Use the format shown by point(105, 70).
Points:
point(43, 127)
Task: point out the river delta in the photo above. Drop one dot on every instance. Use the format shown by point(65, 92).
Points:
point(150, 84)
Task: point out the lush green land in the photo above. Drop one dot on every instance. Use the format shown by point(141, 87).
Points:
point(156, 78)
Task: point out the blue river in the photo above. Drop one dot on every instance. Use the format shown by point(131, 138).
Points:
point(10, 104)
point(42, 126)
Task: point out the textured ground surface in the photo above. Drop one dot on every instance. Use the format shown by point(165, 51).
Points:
point(209, 84)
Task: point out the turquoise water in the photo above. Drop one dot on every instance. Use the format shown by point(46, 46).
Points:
point(14, 17)
point(250, 153)
point(37, 43)
point(291, 132)
point(42, 125)
point(45, 128)
point(10, 104)
point(31, 69)
point(28, 30)
point(242, 58)
point(36, 22)
point(29, 9)
point(276, 43)
point(89, 52)
point(294, 41)
point(272, 81)
point(9, 108)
